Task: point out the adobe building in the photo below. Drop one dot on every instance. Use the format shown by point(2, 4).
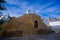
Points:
point(26, 25)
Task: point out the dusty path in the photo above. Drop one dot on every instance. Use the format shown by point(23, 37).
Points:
point(50, 36)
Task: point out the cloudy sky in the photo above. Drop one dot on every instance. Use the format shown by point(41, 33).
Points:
point(46, 8)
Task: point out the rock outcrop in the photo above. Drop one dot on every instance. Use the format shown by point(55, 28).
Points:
point(24, 25)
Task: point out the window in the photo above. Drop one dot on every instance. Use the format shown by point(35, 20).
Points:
point(35, 24)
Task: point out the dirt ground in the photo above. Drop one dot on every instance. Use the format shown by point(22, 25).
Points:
point(51, 36)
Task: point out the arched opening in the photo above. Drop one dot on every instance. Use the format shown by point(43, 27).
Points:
point(35, 24)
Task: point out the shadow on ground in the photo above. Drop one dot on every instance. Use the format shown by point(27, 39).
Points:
point(50, 36)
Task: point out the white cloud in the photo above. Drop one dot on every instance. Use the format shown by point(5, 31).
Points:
point(46, 5)
point(51, 9)
point(24, 6)
point(56, 23)
point(12, 1)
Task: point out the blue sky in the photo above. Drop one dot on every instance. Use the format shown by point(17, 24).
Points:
point(46, 8)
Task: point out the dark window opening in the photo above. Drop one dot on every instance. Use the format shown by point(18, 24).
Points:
point(35, 24)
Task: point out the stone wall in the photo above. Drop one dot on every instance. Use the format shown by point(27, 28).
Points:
point(25, 24)
point(1, 33)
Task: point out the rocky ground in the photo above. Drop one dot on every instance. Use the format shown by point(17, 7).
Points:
point(51, 36)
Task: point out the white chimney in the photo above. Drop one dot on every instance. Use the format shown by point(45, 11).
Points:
point(28, 11)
